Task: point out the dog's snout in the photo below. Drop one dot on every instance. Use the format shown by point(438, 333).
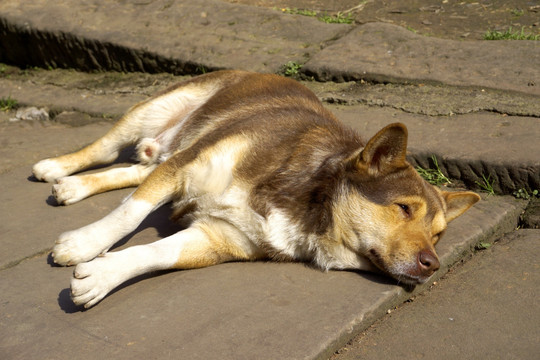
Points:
point(428, 262)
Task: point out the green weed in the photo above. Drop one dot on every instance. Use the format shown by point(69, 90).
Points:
point(291, 68)
point(486, 184)
point(509, 35)
point(8, 104)
point(517, 12)
point(411, 29)
point(433, 176)
point(482, 246)
point(201, 69)
point(524, 194)
point(295, 11)
point(339, 18)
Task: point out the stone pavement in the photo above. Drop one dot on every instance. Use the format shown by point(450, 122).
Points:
point(472, 104)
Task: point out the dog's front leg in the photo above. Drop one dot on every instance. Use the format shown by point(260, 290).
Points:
point(198, 246)
point(93, 280)
point(86, 243)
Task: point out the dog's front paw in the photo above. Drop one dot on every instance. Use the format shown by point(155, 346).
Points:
point(93, 280)
point(49, 170)
point(74, 247)
point(69, 190)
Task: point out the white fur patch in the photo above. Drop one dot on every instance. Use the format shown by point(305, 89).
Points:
point(175, 106)
point(286, 237)
point(69, 190)
point(213, 175)
point(49, 170)
point(232, 207)
point(212, 172)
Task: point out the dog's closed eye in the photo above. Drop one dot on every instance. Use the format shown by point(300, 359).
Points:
point(405, 209)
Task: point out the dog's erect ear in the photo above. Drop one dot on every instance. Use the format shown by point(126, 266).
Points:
point(458, 202)
point(386, 149)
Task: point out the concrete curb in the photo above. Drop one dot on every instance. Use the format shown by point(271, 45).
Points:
point(384, 53)
point(242, 310)
point(187, 38)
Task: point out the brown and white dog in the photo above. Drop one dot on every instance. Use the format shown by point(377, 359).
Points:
point(263, 171)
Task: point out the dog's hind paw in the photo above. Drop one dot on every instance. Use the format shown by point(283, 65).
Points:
point(48, 170)
point(69, 190)
point(93, 280)
point(74, 247)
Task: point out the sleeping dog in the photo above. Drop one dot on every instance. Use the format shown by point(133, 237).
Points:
point(262, 171)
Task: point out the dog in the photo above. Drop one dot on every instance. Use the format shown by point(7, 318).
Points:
point(261, 170)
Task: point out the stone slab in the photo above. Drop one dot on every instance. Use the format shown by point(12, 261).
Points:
point(240, 310)
point(157, 36)
point(57, 98)
point(383, 52)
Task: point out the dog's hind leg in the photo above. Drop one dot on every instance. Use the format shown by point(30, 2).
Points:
point(71, 189)
point(198, 246)
point(103, 151)
point(147, 119)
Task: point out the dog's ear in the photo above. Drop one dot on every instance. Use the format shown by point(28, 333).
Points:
point(458, 202)
point(387, 149)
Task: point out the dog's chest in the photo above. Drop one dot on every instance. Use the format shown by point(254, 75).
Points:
point(275, 232)
point(210, 184)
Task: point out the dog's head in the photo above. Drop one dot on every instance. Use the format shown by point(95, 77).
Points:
point(397, 216)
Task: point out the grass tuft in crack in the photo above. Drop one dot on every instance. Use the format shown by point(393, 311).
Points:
point(8, 103)
point(509, 35)
point(291, 68)
point(486, 184)
point(434, 176)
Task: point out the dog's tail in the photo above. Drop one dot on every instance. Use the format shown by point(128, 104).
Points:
point(148, 151)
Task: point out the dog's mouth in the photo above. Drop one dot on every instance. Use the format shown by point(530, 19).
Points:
point(404, 272)
point(410, 280)
point(408, 277)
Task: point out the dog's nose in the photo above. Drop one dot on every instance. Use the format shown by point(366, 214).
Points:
point(428, 262)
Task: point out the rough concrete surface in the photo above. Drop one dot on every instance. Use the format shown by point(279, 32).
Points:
point(228, 311)
point(456, 20)
point(176, 37)
point(472, 104)
point(390, 53)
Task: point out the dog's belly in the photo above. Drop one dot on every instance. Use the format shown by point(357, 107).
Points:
point(232, 207)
